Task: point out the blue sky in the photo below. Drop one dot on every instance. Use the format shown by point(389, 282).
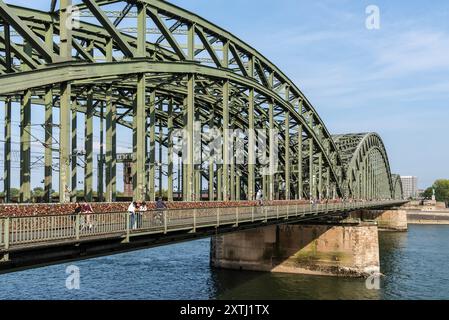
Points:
point(394, 81)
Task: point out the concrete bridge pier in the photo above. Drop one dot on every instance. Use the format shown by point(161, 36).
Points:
point(349, 250)
point(387, 220)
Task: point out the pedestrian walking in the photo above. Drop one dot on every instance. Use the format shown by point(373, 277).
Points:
point(142, 208)
point(160, 208)
point(132, 215)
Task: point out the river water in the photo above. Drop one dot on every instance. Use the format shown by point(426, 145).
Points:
point(415, 265)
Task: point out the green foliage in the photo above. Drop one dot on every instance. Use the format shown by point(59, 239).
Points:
point(15, 193)
point(441, 191)
point(38, 192)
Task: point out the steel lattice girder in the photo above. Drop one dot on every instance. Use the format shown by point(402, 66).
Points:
point(358, 149)
point(165, 62)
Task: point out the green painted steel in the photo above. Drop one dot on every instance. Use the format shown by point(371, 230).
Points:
point(195, 71)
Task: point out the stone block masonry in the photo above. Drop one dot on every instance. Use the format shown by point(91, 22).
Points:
point(334, 250)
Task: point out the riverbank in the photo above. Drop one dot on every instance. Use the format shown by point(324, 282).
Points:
point(428, 217)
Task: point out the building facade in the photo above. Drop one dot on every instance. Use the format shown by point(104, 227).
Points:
point(410, 187)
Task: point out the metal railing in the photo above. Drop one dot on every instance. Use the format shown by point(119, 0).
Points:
point(18, 231)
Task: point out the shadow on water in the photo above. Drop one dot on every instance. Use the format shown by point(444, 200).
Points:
point(236, 285)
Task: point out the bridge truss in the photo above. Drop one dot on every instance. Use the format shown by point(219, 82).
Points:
point(153, 67)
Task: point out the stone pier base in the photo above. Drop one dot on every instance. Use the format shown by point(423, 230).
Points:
point(344, 250)
point(387, 220)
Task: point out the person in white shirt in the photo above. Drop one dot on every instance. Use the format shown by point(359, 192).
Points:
point(132, 215)
point(259, 196)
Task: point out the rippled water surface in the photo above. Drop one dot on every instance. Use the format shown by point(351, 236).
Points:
point(415, 264)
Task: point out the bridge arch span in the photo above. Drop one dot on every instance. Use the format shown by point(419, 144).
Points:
point(154, 67)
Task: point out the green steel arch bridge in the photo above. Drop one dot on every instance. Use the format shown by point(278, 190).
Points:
point(155, 68)
point(150, 65)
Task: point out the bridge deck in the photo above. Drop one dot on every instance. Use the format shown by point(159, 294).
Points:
point(41, 240)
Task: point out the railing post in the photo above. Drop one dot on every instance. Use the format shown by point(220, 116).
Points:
point(237, 217)
point(6, 239)
point(128, 226)
point(194, 221)
point(218, 217)
point(277, 212)
point(165, 222)
point(252, 214)
point(77, 226)
point(266, 216)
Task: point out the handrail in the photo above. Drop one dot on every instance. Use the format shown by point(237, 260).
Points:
point(43, 229)
point(280, 204)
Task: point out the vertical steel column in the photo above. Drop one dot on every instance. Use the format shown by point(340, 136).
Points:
point(320, 175)
point(232, 161)
point(64, 141)
point(211, 158)
point(139, 127)
point(7, 159)
point(190, 178)
point(25, 147)
point(111, 134)
point(160, 155)
point(147, 158)
point(170, 150)
point(311, 169)
point(89, 146)
point(189, 109)
point(251, 137)
point(110, 146)
point(65, 36)
point(48, 171)
point(7, 155)
point(48, 102)
point(101, 161)
point(287, 156)
point(184, 151)
point(152, 164)
point(300, 160)
point(219, 182)
point(65, 32)
point(271, 149)
point(226, 142)
point(74, 152)
point(139, 112)
point(25, 137)
point(113, 138)
point(180, 177)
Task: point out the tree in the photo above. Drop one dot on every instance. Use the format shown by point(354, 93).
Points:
point(15, 193)
point(38, 194)
point(441, 191)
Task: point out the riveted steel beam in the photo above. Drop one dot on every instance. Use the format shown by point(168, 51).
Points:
point(109, 26)
point(12, 19)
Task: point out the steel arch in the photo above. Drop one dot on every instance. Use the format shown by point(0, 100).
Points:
point(172, 75)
